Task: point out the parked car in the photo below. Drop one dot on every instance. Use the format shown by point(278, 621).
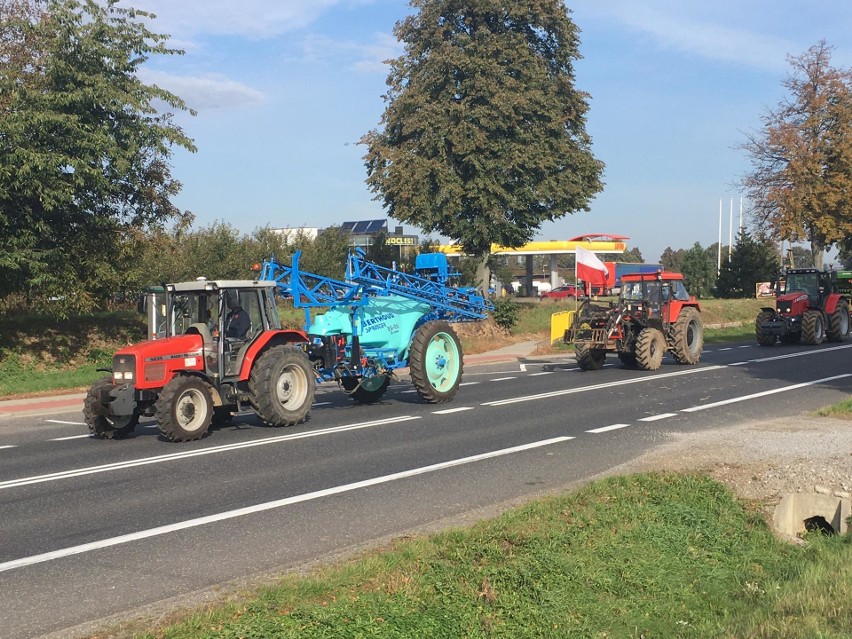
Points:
point(561, 293)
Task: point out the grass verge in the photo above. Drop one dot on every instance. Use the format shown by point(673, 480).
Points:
point(650, 555)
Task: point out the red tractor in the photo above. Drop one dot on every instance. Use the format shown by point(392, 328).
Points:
point(808, 309)
point(654, 314)
point(219, 348)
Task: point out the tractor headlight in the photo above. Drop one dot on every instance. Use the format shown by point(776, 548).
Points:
point(123, 369)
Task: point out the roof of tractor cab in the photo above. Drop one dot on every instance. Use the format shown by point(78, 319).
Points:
point(215, 285)
point(648, 277)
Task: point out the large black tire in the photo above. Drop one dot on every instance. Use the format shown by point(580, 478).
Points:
point(101, 426)
point(838, 322)
point(282, 386)
point(184, 409)
point(589, 359)
point(435, 360)
point(813, 329)
point(366, 390)
point(760, 321)
point(628, 359)
point(688, 336)
point(650, 348)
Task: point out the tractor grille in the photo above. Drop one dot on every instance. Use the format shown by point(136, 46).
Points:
point(785, 307)
point(588, 335)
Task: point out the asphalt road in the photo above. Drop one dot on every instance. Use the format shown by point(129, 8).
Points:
point(95, 528)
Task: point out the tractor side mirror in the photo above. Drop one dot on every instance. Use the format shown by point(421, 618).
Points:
point(142, 303)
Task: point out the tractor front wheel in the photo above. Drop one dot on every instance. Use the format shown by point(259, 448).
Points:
point(650, 347)
point(435, 360)
point(688, 336)
point(589, 359)
point(838, 322)
point(282, 386)
point(105, 426)
point(763, 338)
point(366, 390)
point(813, 329)
point(184, 409)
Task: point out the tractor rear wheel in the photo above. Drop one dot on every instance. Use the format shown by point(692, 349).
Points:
point(688, 336)
point(366, 390)
point(281, 386)
point(589, 359)
point(838, 322)
point(763, 338)
point(813, 330)
point(435, 360)
point(650, 347)
point(184, 409)
point(106, 426)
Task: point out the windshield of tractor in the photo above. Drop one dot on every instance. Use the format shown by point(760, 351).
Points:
point(807, 282)
point(633, 291)
point(680, 292)
point(196, 307)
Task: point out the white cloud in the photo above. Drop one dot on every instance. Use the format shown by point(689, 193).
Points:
point(207, 93)
point(364, 58)
point(252, 18)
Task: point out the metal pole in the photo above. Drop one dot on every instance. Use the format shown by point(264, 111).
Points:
point(731, 231)
point(719, 257)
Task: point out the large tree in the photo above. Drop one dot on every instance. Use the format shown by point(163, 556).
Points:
point(484, 136)
point(801, 179)
point(84, 151)
point(753, 260)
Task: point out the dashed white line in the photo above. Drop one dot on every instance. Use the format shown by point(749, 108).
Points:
point(65, 439)
point(774, 391)
point(257, 508)
point(502, 379)
point(59, 421)
point(540, 374)
point(322, 403)
point(745, 346)
point(738, 364)
point(523, 368)
point(726, 349)
point(468, 383)
point(452, 410)
point(12, 446)
point(654, 418)
point(605, 429)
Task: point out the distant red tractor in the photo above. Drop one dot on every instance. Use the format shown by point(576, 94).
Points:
point(654, 314)
point(808, 309)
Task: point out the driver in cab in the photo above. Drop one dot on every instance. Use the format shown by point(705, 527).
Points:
point(237, 321)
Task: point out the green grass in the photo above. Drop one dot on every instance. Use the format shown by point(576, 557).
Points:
point(841, 409)
point(653, 556)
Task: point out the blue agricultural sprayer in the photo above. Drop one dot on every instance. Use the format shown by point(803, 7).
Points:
point(380, 319)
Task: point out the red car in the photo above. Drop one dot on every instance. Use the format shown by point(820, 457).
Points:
point(561, 293)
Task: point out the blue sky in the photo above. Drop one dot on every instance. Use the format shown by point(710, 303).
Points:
point(284, 89)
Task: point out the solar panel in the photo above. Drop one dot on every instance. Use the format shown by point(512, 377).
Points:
point(365, 227)
point(348, 226)
point(374, 226)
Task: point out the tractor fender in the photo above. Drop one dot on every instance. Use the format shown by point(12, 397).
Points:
point(831, 302)
point(768, 309)
point(267, 340)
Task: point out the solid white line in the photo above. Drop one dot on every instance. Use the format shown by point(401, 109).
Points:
point(605, 429)
point(59, 421)
point(818, 351)
point(65, 439)
point(452, 410)
point(738, 364)
point(774, 391)
point(653, 418)
point(271, 505)
point(540, 374)
point(582, 389)
point(502, 379)
point(10, 446)
point(145, 461)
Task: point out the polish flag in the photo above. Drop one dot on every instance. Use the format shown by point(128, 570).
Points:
point(590, 269)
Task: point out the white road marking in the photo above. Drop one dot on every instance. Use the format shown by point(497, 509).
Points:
point(738, 364)
point(452, 410)
point(502, 379)
point(523, 368)
point(468, 384)
point(654, 418)
point(59, 421)
point(65, 439)
point(10, 446)
point(322, 403)
point(774, 391)
point(582, 389)
point(271, 505)
point(540, 374)
point(605, 429)
point(145, 461)
point(745, 346)
point(728, 348)
point(818, 351)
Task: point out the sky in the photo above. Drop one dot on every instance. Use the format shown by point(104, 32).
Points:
point(284, 90)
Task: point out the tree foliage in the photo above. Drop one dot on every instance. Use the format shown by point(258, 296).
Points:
point(801, 179)
point(752, 261)
point(671, 259)
point(84, 152)
point(483, 136)
point(699, 271)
